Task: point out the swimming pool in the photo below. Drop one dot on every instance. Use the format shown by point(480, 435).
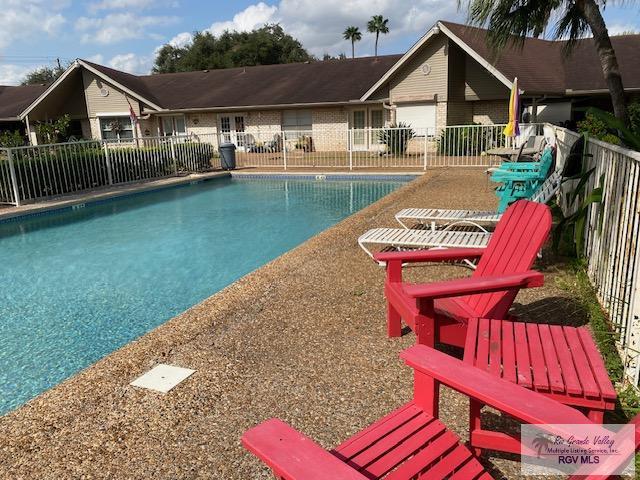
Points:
point(78, 284)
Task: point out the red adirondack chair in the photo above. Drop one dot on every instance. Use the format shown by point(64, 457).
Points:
point(411, 442)
point(440, 311)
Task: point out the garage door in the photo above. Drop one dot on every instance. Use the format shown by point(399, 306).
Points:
point(419, 115)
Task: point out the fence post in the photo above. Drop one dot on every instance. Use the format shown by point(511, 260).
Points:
point(173, 155)
point(284, 149)
point(424, 167)
point(107, 159)
point(14, 179)
point(350, 140)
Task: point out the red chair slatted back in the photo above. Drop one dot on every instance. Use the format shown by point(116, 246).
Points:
point(513, 247)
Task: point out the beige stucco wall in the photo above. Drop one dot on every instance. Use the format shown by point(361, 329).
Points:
point(410, 83)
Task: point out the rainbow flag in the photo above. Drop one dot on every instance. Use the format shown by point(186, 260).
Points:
point(513, 129)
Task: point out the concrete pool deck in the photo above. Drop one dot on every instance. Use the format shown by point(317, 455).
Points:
point(302, 338)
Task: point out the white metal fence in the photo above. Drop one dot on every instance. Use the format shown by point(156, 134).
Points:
point(453, 146)
point(612, 237)
point(31, 173)
point(35, 172)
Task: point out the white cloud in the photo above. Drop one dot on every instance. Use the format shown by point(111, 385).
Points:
point(13, 74)
point(620, 28)
point(97, 58)
point(132, 63)
point(131, 5)
point(118, 27)
point(181, 40)
point(319, 24)
point(251, 17)
point(27, 19)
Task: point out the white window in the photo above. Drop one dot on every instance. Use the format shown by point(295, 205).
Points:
point(174, 125)
point(298, 121)
point(116, 128)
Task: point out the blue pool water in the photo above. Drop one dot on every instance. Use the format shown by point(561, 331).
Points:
point(76, 285)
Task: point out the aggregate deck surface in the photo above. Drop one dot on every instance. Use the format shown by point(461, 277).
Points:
point(302, 338)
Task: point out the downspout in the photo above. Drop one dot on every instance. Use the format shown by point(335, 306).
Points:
point(392, 109)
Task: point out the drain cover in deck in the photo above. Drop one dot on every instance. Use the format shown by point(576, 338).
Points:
point(163, 378)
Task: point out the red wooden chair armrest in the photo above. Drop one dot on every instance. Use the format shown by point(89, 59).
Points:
point(439, 255)
point(524, 405)
point(294, 456)
point(474, 285)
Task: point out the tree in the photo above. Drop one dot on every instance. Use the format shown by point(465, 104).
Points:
point(352, 33)
point(267, 45)
point(42, 75)
point(521, 18)
point(378, 25)
point(54, 131)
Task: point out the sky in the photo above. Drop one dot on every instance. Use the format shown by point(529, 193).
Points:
point(125, 34)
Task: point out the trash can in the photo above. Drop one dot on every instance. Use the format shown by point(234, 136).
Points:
point(227, 156)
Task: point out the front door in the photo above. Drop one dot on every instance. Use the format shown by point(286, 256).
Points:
point(232, 130)
point(358, 124)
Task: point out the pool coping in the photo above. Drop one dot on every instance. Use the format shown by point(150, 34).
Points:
point(96, 197)
point(70, 202)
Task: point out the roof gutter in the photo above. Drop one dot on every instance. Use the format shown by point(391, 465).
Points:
point(276, 106)
point(575, 93)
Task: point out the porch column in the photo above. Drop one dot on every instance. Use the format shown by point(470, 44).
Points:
point(534, 110)
point(31, 134)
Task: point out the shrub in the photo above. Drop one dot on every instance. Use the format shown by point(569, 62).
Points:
point(43, 172)
point(396, 138)
point(603, 126)
point(11, 139)
point(467, 140)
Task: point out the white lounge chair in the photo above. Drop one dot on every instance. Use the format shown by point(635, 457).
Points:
point(407, 238)
point(479, 219)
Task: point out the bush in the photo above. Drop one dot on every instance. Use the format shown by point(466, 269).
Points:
point(396, 138)
point(43, 172)
point(598, 125)
point(596, 128)
point(11, 139)
point(467, 140)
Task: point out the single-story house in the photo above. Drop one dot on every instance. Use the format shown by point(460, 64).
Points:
point(448, 77)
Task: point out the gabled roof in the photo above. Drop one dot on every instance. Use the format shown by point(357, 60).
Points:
point(13, 100)
point(331, 81)
point(540, 65)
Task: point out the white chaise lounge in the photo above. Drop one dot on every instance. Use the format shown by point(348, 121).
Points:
point(449, 235)
point(448, 218)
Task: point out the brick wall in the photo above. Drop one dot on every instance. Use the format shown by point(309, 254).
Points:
point(330, 129)
point(441, 115)
point(492, 111)
point(263, 124)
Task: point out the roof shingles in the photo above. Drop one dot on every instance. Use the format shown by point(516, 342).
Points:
point(542, 67)
point(330, 81)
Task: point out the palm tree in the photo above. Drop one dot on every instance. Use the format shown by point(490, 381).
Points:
point(352, 33)
point(574, 18)
point(378, 25)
